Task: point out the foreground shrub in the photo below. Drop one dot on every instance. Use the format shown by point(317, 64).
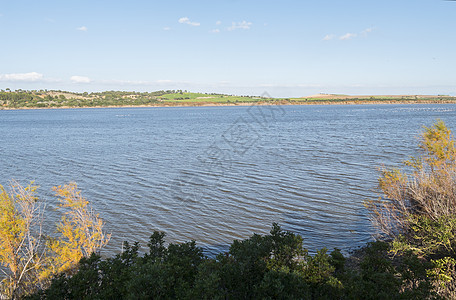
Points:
point(274, 266)
point(271, 266)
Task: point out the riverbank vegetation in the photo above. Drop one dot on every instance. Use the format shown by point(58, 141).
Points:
point(413, 257)
point(274, 266)
point(62, 99)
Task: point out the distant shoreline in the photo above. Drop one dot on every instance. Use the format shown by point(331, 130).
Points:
point(44, 99)
point(278, 102)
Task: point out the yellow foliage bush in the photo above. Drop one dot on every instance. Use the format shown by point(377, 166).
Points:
point(428, 190)
point(28, 258)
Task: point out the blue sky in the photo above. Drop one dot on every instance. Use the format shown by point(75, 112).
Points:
point(286, 48)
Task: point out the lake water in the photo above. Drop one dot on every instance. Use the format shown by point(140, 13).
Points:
point(214, 174)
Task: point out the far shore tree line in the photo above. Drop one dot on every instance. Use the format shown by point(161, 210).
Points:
point(413, 256)
point(56, 98)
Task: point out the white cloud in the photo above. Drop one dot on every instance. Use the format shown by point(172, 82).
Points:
point(348, 36)
point(240, 25)
point(186, 20)
point(215, 30)
point(166, 28)
point(27, 77)
point(218, 23)
point(367, 31)
point(82, 28)
point(80, 79)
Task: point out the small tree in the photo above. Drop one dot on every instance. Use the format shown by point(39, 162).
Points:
point(21, 247)
point(28, 258)
point(81, 230)
point(428, 191)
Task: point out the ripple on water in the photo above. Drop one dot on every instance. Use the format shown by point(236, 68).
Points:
point(173, 169)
